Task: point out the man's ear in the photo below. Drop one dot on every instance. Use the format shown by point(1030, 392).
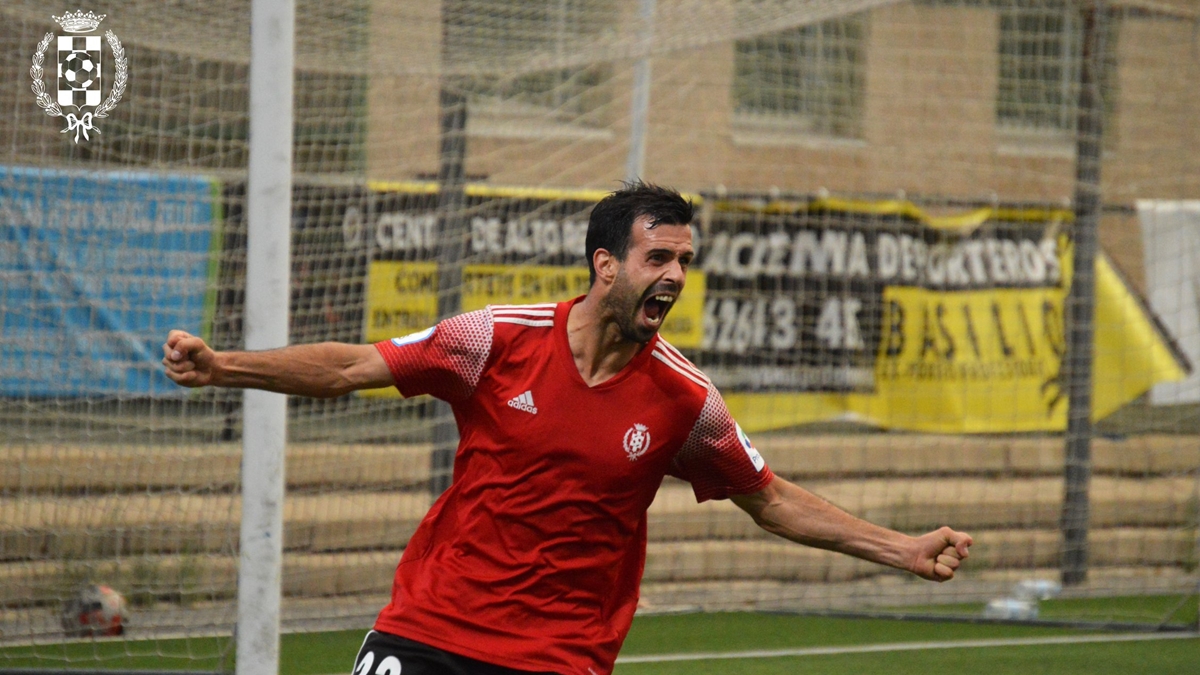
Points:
point(606, 265)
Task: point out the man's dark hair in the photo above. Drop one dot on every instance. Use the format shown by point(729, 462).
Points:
point(610, 226)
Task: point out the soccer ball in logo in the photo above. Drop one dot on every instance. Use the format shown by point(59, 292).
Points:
point(79, 70)
point(95, 611)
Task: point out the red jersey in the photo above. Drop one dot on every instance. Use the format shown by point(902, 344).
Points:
point(533, 557)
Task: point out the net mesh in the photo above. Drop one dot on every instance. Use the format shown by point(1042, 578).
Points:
point(884, 246)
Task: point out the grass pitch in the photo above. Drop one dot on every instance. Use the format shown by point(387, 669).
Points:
point(686, 636)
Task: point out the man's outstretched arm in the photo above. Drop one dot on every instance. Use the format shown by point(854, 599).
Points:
point(794, 513)
point(324, 370)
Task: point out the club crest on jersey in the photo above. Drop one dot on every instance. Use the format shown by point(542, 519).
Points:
point(637, 441)
point(79, 78)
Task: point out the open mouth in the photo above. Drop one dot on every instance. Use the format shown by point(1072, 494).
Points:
point(656, 307)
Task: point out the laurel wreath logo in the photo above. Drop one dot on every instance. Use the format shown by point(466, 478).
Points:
point(81, 124)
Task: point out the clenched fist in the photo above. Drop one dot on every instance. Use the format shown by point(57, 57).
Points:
point(939, 553)
point(189, 361)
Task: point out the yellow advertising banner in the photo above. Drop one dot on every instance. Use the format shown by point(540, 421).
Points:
point(485, 285)
point(984, 361)
point(817, 310)
point(401, 298)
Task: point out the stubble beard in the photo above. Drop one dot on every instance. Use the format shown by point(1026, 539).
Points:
point(624, 303)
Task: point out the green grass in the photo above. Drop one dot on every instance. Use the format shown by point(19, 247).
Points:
point(1147, 609)
point(327, 653)
point(1170, 657)
point(300, 653)
point(1173, 609)
point(737, 631)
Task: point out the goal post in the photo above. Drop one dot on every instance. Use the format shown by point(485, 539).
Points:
point(1080, 317)
point(268, 276)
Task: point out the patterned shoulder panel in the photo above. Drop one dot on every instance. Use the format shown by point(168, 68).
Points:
point(469, 344)
point(445, 361)
point(717, 458)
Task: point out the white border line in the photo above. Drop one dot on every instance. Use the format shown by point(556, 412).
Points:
point(908, 647)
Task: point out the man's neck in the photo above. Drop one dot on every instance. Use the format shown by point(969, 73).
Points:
point(599, 349)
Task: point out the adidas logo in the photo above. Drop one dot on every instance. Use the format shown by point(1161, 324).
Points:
point(524, 402)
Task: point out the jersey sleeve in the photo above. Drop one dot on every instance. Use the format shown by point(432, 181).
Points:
point(445, 361)
point(717, 458)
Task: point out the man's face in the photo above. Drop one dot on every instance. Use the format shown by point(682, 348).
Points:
point(650, 279)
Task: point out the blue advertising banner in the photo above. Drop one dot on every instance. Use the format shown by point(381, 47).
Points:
point(95, 268)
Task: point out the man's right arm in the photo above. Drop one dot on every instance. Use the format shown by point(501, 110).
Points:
point(324, 370)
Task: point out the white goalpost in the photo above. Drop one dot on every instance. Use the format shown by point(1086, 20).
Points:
point(268, 282)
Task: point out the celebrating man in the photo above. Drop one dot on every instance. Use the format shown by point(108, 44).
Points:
point(569, 415)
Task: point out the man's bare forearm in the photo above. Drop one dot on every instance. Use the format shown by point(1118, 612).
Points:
point(794, 513)
point(324, 370)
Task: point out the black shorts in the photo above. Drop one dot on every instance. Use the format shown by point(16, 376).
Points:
point(387, 654)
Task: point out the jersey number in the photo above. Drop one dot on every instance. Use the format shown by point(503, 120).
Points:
point(390, 665)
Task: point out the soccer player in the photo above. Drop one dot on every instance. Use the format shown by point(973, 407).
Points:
point(570, 415)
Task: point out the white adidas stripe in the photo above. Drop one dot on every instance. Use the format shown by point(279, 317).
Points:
point(523, 322)
point(686, 365)
point(659, 355)
point(670, 348)
point(538, 307)
point(680, 361)
point(523, 312)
